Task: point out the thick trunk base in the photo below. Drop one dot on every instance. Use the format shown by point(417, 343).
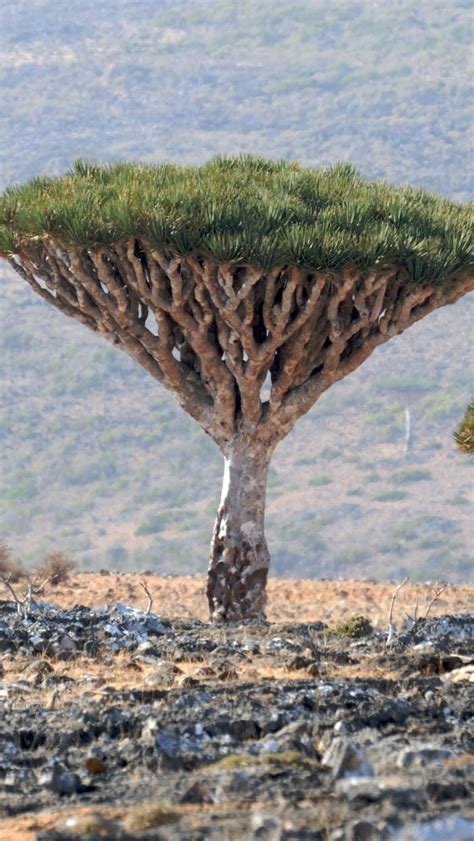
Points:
point(238, 567)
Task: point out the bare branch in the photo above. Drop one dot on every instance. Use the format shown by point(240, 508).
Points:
point(391, 629)
point(415, 612)
point(16, 599)
point(145, 589)
point(437, 594)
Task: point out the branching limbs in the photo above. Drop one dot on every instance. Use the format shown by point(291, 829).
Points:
point(213, 334)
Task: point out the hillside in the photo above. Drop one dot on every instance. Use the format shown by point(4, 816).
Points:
point(99, 460)
point(383, 85)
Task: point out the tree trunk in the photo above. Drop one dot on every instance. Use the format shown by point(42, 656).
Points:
point(238, 566)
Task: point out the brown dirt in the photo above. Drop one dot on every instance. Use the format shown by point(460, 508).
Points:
point(328, 601)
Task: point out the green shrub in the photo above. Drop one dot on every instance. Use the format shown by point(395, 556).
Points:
point(353, 628)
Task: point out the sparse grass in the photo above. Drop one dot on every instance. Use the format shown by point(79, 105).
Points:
point(289, 758)
point(150, 815)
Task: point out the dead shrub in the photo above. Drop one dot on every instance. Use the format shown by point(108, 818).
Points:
point(57, 567)
point(10, 568)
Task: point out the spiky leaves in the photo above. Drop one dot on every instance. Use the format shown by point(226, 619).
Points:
point(464, 435)
point(245, 210)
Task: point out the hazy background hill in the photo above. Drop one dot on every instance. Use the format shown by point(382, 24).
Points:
point(95, 457)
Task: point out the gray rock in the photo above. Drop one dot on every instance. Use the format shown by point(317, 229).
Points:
point(359, 789)
point(346, 759)
point(61, 781)
point(197, 793)
point(265, 828)
point(452, 828)
point(361, 830)
point(420, 757)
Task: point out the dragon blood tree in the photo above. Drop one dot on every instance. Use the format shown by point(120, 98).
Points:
point(247, 288)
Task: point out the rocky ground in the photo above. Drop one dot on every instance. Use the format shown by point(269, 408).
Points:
point(120, 724)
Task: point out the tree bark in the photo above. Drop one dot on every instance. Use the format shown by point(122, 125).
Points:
point(239, 561)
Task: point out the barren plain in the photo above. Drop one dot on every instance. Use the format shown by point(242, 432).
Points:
point(129, 721)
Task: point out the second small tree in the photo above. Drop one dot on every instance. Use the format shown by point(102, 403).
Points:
point(245, 287)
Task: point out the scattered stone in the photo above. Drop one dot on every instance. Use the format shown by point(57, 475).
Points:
point(394, 749)
point(420, 757)
point(346, 759)
point(91, 826)
point(452, 828)
point(464, 673)
point(61, 781)
point(164, 674)
point(197, 793)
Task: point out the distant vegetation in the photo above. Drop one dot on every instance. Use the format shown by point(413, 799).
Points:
point(385, 85)
point(91, 451)
point(465, 433)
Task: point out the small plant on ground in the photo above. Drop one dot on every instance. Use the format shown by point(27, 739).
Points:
point(353, 628)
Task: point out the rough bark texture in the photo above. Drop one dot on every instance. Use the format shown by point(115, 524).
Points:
point(238, 568)
point(246, 353)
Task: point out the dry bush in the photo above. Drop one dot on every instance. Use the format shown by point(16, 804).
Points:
point(10, 568)
point(56, 567)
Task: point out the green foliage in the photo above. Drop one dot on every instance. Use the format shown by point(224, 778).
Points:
point(353, 628)
point(464, 435)
point(246, 210)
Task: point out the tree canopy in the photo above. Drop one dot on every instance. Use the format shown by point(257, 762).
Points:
point(245, 210)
